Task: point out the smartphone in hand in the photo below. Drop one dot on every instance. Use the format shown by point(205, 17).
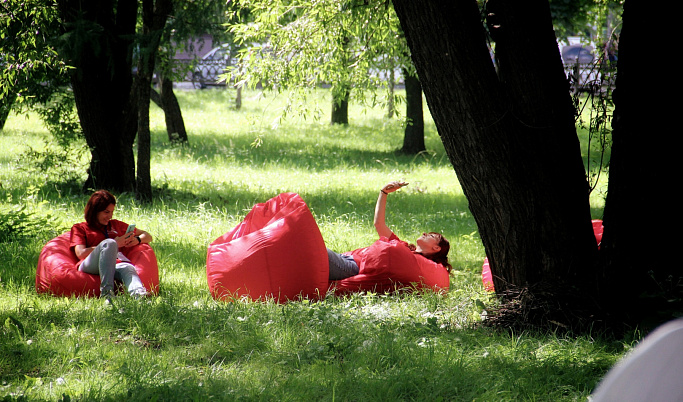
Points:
point(131, 228)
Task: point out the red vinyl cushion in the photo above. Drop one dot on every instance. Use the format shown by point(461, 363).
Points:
point(388, 265)
point(57, 273)
point(276, 252)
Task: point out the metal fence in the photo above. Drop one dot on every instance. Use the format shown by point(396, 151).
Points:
point(591, 77)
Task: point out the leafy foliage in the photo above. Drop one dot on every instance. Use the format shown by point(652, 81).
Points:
point(16, 221)
point(31, 65)
point(300, 44)
point(35, 77)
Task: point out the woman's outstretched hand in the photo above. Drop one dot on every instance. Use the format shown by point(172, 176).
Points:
point(393, 186)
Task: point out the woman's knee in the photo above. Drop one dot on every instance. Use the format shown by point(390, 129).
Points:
point(109, 243)
point(126, 268)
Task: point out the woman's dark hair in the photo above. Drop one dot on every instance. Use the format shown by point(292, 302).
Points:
point(441, 256)
point(98, 202)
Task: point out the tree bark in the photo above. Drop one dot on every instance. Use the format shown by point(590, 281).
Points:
point(391, 105)
point(5, 108)
point(340, 110)
point(175, 125)
point(414, 134)
point(238, 97)
point(102, 82)
point(154, 14)
point(510, 138)
point(636, 247)
point(155, 97)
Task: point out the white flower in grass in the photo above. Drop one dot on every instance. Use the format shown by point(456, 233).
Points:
point(367, 344)
point(426, 342)
point(196, 303)
point(241, 318)
point(60, 381)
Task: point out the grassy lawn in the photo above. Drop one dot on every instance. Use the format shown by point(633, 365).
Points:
point(183, 345)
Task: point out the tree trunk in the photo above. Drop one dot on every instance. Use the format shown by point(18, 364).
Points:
point(238, 97)
point(102, 83)
point(340, 109)
point(6, 107)
point(641, 279)
point(155, 97)
point(144, 181)
point(510, 138)
point(154, 16)
point(391, 105)
point(175, 125)
point(414, 135)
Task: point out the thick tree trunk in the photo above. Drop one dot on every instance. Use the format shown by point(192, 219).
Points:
point(414, 135)
point(642, 278)
point(511, 139)
point(175, 125)
point(154, 16)
point(101, 83)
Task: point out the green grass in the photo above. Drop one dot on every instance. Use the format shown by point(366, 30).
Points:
point(183, 345)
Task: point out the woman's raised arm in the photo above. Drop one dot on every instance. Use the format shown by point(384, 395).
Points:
point(380, 208)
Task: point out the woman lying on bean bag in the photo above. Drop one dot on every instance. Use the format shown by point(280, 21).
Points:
point(390, 263)
point(278, 252)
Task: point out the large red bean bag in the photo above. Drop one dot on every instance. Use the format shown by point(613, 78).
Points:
point(57, 273)
point(388, 265)
point(277, 252)
point(487, 277)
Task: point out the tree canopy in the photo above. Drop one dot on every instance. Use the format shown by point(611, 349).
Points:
point(300, 44)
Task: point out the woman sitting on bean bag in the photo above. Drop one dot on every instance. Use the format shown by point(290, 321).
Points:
point(99, 251)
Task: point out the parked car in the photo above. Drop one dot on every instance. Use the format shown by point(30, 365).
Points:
point(572, 54)
point(580, 67)
point(211, 65)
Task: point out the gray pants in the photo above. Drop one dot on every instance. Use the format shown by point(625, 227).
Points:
point(102, 262)
point(341, 266)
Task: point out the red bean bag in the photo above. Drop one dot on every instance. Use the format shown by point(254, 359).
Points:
point(487, 277)
point(388, 265)
point(276, 252)
point(597, 230)
point(57, 273)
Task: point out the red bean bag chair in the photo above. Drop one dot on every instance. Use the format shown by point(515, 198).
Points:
point(57, 273)
point(597, 230)
point(277, 252)
point(388, 265)
point(487, 277)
